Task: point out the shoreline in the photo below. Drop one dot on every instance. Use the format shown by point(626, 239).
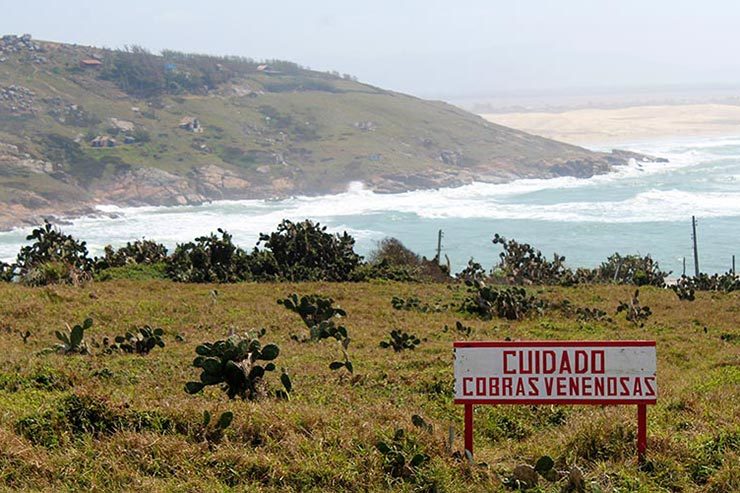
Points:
point(595, 127)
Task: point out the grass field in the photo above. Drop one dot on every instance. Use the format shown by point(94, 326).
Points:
point(324, 438)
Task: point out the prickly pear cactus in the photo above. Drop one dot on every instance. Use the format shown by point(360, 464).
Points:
point(140, 341)
point(235, 364)
point(72, 341)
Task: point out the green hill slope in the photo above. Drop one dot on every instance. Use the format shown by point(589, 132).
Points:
point(81, 126)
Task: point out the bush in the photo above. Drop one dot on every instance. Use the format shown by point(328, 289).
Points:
point(78, 415)
point(631, 269)
point(400, 273)
point(392, 261)
point(209, 259)
point(304, 251)
point(393, 252)
point(136, 72)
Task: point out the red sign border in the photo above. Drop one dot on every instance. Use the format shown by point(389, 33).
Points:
point(551, 343)
point(641, 404)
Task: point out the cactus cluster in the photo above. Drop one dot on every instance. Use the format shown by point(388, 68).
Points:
point(635, 312)
point(304, 251)
point(592, 314)
point(400, 341)
point(209, 258)
point(235, 365)
point(137, 252)
point(511, 303)
point(52, 258)
point(318, 314)
point(72, 341)
point(472, 272)
point(400, 458)
point(6, 272)
point(140, 341)
point(210, 431)
point(523, 264)
point(414, 304)
point(525, 477)
point(686, 287)
point(459, 328)
point(338, 365)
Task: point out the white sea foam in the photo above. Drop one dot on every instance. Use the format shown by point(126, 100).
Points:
point(701, 179)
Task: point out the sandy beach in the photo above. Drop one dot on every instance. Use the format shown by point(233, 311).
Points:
point(594, 127)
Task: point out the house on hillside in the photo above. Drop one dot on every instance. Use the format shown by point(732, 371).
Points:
point(103, 141)
point(191, 124)
point(267, 69)
point(90, 63)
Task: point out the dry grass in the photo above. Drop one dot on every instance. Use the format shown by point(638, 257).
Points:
point(323, 439)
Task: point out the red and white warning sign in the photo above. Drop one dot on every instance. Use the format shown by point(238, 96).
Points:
point(555, 372)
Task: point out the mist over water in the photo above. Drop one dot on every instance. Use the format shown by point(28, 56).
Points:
point(640, 208)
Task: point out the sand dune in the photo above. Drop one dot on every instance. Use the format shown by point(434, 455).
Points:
point(591, 127)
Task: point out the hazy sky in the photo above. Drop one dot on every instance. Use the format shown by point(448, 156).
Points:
point(425, 47)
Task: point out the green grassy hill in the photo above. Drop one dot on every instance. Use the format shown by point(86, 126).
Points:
point(114, 422)
point(264, 129)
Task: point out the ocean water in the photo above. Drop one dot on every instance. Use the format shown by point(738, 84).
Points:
point(641, 208)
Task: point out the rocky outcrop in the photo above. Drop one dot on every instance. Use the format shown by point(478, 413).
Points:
point(17, 100)
point(215, 182)
point(148, 186)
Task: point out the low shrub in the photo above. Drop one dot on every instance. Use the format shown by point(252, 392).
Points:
point(685, 286)
point(631, 269)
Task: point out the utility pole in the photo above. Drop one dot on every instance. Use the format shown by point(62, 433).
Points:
point(439, 246)
point(684, 266)
point(733, 266)
point(696, 252)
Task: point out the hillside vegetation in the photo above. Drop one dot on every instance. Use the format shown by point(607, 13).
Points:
point(81, 126)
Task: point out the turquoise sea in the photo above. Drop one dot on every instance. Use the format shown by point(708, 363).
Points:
point(640, 208)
